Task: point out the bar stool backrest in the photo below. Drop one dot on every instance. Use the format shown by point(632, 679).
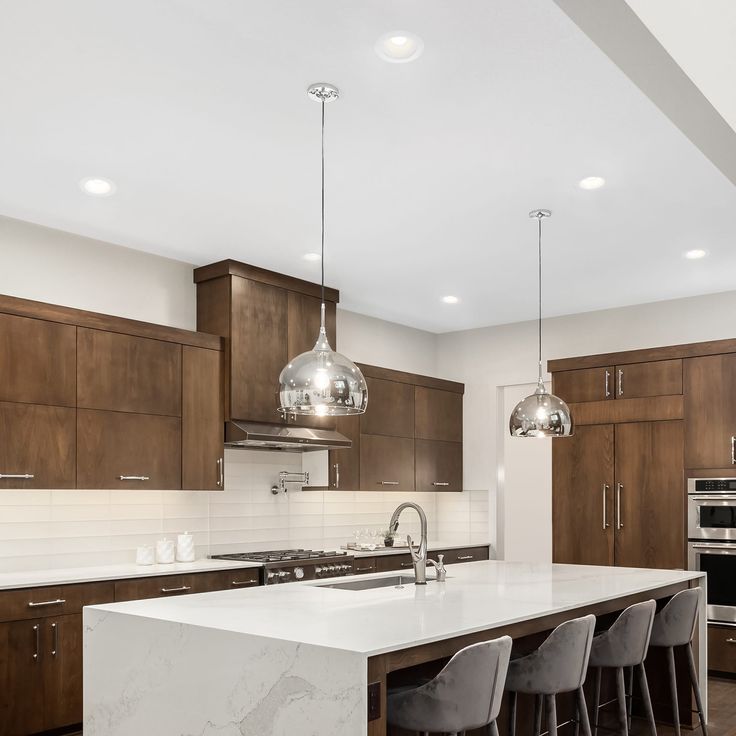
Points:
point(626, 642)
point(674, 625)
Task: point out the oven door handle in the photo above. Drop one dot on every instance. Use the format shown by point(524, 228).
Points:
point(709, 497)
point(731, 547)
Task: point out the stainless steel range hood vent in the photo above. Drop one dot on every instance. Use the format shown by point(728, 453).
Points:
point(275, 437)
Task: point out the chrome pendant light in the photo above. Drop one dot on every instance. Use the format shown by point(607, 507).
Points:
point(542, 414)
point(322, 382)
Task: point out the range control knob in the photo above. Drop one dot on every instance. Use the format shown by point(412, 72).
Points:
point(318, 570)
point(271, 575)
point(283, 574)
point(298, 573)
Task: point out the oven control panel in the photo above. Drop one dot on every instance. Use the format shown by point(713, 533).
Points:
point(711, 485)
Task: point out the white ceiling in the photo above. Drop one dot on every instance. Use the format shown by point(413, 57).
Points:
point(701, 38)
point(197, 110)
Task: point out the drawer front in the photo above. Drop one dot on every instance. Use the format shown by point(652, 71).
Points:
point(229, 579)
point(364, 565)
point(158, 587)
point(722, 648)
point(385, 563)
point(466, 554)
point(386, 463)
point(57, 600)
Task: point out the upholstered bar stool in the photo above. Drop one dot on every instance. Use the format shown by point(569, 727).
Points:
point(674, 626)
point(466, 694)
point(558, 666)
point(624, 645)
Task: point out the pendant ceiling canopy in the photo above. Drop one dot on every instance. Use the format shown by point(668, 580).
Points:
point(322, 382)
point(542, 414)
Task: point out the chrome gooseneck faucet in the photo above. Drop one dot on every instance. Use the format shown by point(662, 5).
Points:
point(418, 556)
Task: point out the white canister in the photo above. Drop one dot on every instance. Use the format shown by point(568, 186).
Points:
point(165, 551)
point(185, 547)
point(145, 555)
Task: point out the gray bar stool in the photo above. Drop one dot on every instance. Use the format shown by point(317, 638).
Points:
point(625, 644)
point(466, 694)
point(674, 626)
point(557, 666)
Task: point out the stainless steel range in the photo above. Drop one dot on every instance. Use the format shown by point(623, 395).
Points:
point(289, 565)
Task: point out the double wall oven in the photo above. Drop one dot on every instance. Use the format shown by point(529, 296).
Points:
point(711, 531)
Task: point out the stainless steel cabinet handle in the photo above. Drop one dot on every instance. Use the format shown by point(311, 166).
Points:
point(389, 482)
point(57, 602)
point(620, 382)
point(608, 383)
point(244, 582)
point(180, 589)
point(17, 476)
point(364, 569)
point(605, 509)
point(465, 557)
point(220, 472)
point(55, 646)
point(619, 522)
point(441, 483)
point(733, 450)
point(133, 477)
point(406, 564)
point(730, 641)
point(337, 475)
point(37, 632)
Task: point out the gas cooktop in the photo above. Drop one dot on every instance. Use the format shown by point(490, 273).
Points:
point(281, 555)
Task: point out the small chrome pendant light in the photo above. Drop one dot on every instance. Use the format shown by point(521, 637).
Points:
point(322, 382)
point(542, 414)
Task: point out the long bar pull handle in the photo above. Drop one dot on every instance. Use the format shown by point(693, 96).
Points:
point(389, 482)
point(56, 602)
point(37, 632)
point(17, 476)
point(466, 557)
point(407, 564)
point(733, 450)
point(619, 522)
point(243, 582)
point(134, 477)
point(55, 646)
point(605, 509)
point(337, 475)
point(608, 383)
point(441, 484)
point(620, 381)
point(180, 589)
point(730, 641)
point(220, 472)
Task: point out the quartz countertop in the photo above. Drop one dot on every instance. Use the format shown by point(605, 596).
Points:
point(404, 549)
point(476, 596)
point(64, 576)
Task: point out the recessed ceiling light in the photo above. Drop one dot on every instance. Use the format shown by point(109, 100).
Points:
point(695, 253)
point(450, 299)
point(311, 257)
point(592, 182)
point(399, 47)
point(97, 186)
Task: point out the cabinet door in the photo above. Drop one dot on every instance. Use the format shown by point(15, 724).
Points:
point(258, 349)
point(163, 586)
point(385, 563)
point(438, 414)
point(344, 470)
point(124, 373)
point(582, 496)
point(650, 495)
point(659, 378)
point(144, 449)
point(62, 670)
point(710, 411)
point(386, 463)
point(21, 678)
point(38, 441)
point(390, 409)
point(585, 384)
point(439, 465)
point(37, 361)
point(202, 421)
point(228, 579)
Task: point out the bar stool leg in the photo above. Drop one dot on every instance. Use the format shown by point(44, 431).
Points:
point(696, 688)
point(537, 715)
point(673, 689)
point(596, 699)
point(493, 728)
point(630, 696)
point(551, 705)
point(582, 709)
point(623, 717)
point(644, 687)
point(512, 714)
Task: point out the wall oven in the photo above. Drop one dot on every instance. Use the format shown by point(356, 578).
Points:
point(711, 535)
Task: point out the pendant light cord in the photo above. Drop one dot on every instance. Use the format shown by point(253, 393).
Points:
point(539, 224)
point(322, 255)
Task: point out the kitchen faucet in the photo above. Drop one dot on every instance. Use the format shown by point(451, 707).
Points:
point(418, 557)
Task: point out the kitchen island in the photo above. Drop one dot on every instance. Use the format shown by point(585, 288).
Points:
point(309, 659)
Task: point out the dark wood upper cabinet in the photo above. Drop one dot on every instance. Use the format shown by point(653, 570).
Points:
point(390, 408)
point(657, 378)
point(125, 450)
point(38, 441)
point(202, 421)
point(386, 463)
point(344, 464)
point(710, 411)
point(37, 361)
point(588, 384)
point(125, 373)
point(438, 465)
point(438, 414)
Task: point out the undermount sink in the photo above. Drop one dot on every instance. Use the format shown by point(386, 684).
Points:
point(395, 581)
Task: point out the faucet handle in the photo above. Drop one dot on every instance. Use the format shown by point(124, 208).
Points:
point(441, 569)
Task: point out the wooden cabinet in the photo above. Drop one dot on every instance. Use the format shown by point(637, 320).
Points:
point(586, 384)
point(722, 648)
point(710, 411)
point(364, 565)
point(132, 451)
point(167, 586)
point(439, 465)
point(202, 421)
point(391, 408)
point(228, 580)
point(62, 670)
point(38, 447)
point(438, 414)
point(344, 465)
point(402, 561)
point(386, 463)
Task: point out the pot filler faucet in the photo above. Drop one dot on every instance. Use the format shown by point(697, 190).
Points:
point(419, 556)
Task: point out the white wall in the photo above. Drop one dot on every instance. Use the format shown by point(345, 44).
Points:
point(489, 358)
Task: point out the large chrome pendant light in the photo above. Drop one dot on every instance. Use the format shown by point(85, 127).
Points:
point(542, 414)
point(322, 382)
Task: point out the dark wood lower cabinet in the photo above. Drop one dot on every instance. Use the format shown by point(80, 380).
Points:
point(402, 561)
point(438, 465)
point(62, 671)
point(722, 648)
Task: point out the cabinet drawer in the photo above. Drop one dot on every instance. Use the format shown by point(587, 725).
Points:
point(659, 378)
point(37, 361)
point(722, 648)
point(585, 384)
point(125, 373)
point(439, 465)
point(158, 587)
point(228, 579)
point(390, 409)
point(386, 463)
point(385, 563)
point(438, 414)
point(144, 449)
point(364, 565)
point(16, 605)
point(466, 554)
point(39, 441)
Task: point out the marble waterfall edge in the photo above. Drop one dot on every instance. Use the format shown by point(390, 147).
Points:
point(255, 686)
